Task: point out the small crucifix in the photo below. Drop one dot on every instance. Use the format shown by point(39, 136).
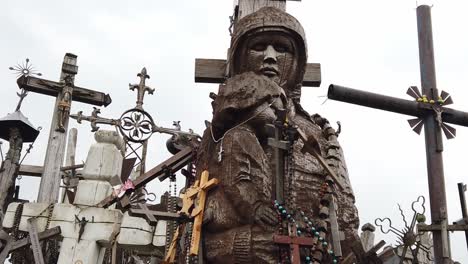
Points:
point(65, 91)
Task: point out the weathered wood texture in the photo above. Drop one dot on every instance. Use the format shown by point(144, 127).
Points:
point(52, 88)
point(70, 157)
point(9, 168)
point(214, 71)
point(247, 7)
point(31, 170)
point(50, 182)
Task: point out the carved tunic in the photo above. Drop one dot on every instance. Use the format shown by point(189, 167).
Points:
point(233, 232)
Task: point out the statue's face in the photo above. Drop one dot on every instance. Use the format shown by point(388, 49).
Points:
point(271, 53)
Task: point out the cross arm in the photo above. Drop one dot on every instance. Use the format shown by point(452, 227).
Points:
point(214, 71)
point(393, 104)
point(431, 228)
point(52, 88)
point(161, 171)
point(49, 233)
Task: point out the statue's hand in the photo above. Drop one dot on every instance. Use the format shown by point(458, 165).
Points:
point(265, 215)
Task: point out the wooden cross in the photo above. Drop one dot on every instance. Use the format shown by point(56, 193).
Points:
point(65, 91)
point(461, 191)
point(294, 243)
point(280, 146)
point(151, 216)
point(161, 171)
point(433, 116)
point(216, 71)
point(34, 237)
point(202, 187)
point(9, 245)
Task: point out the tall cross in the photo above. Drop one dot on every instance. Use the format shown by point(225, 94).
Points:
point(65, 91)
point(216, 70)
point(429, 109)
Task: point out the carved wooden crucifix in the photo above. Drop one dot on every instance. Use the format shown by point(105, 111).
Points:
point(65, 91)
point(432, 114)
point(216, 70)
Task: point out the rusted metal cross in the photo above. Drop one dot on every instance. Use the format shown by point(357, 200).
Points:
point(65, 91)
point(429, 109)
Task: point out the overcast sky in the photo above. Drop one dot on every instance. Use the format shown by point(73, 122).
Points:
point(366, 45)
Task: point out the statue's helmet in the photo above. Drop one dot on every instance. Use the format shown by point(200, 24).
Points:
point(270, 19)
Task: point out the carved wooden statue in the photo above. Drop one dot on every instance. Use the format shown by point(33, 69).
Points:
point(266, 63)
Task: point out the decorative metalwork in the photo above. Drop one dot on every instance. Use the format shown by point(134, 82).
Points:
point(409, 238)
point(142, 196)
point(442, 100)
point(25, 69)
point(136, 125)
point(141, 88)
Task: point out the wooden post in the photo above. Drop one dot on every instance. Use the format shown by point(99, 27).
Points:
point(10, 166)
point(70, 157)
point(50, 181)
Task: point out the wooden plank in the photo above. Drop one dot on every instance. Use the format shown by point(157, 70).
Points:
point(70, 160)
point(34, 237)
point(52, 88)
point(31, 170)
point(214, 71)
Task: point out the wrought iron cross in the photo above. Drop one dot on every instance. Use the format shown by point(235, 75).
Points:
point(141, 88)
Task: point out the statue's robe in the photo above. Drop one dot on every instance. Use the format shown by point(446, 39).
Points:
point(231, 234)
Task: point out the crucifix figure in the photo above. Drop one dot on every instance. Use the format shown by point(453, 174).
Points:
point(264, 73)
point(65, 92)
point(430, 110)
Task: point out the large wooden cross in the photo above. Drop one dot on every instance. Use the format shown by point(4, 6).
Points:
point(432, 114)
point(216, 71)
point(65, 91)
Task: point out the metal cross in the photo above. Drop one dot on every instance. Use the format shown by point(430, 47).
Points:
point(433, 116)
point(141, 88)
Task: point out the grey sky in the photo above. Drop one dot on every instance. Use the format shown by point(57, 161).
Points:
point(368, 45)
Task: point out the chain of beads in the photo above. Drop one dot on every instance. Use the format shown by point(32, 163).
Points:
point(310, 230)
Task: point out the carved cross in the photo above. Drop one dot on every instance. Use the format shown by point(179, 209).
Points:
point(428, 108)
point(294, 243)
point(65, 91)
point(141, 88)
